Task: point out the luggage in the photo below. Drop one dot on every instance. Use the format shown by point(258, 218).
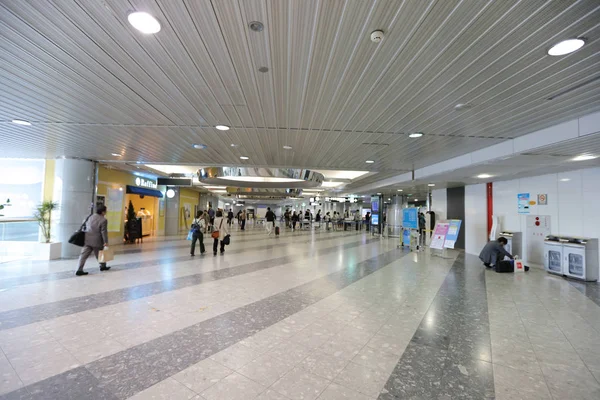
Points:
point(276, 231)
point(505, 266)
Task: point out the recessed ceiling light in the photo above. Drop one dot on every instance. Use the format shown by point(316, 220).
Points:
point(243, 158)
point(565, 179)
point(484, 176)
point(584, 157)
point(144, 22)
point(389, 199)
point(379, 194)
point(233, 145)
point(566, 47)
point(462, 106)
point(400, 190)
point(431, 184)
point(116, 155)
point(263, 69)
point(256, 26)
point(416, 199)
point(138, 162)
point(21, 122)
point(222, 127)
point(415, 135)
point(287, 147)
point(369, 161)
point(199, 146)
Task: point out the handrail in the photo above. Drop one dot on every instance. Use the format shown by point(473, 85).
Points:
point(31, 219)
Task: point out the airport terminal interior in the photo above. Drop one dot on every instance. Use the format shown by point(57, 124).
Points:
point(299, 199)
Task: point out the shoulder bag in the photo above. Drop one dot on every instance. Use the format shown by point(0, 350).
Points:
point(215, 234)
point(78, 238)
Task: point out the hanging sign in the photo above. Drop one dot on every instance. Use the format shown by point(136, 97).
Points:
point(523, 203)
point(439, 235)
point(452, 234)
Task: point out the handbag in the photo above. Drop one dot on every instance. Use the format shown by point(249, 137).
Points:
point(105, 255)
point(78, 238)
point(215, 234)
point(227, 240)
point(190, 235)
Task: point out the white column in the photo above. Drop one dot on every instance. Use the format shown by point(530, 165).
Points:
point(74, 184)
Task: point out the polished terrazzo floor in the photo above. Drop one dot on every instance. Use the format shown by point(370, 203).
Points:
point(307, 315)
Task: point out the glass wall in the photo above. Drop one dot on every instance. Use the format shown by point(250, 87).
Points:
point(21, 181)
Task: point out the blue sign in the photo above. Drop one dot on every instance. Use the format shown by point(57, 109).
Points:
point(375, 204)
point(452, 235)
point(410, 217)
point(406, 237)
point(374, 219)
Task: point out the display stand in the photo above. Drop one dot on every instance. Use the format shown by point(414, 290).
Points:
point(439, 238)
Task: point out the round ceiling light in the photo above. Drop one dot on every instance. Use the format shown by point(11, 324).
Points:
point(265, 178)
point(584, 157)
point(170, 193)
point(21, 122)
point(222, 127)
point(484, 176)
point(256, 26)
point(415, 135)
point(287, 147)
point(566, 47)
point(233, 145)
point(369, 161)
point(143, 22)
point(199, 146)
point(431, 184)
point(244, 158)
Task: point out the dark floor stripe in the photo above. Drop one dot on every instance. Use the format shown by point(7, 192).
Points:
point(130, 371)
point(591, 290)
point(9, 283)
point(449, 355)
point(43, 312)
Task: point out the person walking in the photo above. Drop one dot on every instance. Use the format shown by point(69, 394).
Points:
point(230, 217)
point(223, 232)
point(96, 238)
point(368, 221)
point(295, 219)
point(270, 217)
point(211, 215)
point(243, 218)
point(198, 225)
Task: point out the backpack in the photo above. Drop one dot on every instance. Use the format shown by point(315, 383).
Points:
point(195, 226)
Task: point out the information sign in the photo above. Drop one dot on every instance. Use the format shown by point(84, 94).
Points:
point(523, 203)
point(452, 234)
point(439, 235)
point(410, 218)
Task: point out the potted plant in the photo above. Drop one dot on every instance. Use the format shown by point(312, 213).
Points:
point(131, 228)
point(4, 205)
point(43, 216)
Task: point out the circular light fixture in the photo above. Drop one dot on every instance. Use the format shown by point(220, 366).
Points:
point(170, 193)
point(21, 122)
point(256, 26)
point(199, 146)
point(222, 127)
point(263, 69)
point(233, 145)
point(389, 199)
point(462, 106)
point(400, 190)
point(370, 161)
point(584, 157)
point(431, 184)
point(378, 194)
point(115, 154)
point(566, 47)
point(287, 147)
point(243, 158)
point(484, 176)
point(143, 22)
point(416, 199)
point(415, 135)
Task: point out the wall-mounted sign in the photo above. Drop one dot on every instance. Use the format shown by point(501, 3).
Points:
point(523, 203)
point(175, 181)
point(542, 199)
point(143, 182)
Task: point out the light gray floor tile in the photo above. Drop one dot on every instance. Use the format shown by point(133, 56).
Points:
point(389, 344)
point(324, 365)
point(376, 359)
point(290, 352)
point(266, 369)
point(516, 382)
point(233, 387)
point(362, 379)
point(236, 356)
point(337, 392)
point(568, 382)
point(202, 375)
point(165, 390)
point(9, 380)
point(298, 384)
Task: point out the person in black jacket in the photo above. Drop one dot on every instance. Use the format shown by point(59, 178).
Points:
point(229, 216)
point(270, 217)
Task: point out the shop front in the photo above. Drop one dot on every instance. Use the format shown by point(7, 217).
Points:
point(129, 197)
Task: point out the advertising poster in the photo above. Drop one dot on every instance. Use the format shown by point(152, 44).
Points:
point(523, 203)
point(439, 235)
point(452, 234)
point(114, 212)
point(410, 218)
point(406, 237)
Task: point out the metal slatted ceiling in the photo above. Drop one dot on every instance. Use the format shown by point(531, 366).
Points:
point(93, 85)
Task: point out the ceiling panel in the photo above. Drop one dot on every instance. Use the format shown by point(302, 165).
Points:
point(92, 85)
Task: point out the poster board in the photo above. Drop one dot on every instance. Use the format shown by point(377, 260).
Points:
point(452, 233)
point(115, 210)
point(439, 235)
point(523, 203)
point(410, 218)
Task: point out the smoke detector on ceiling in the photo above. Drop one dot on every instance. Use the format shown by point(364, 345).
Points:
point(376, 36)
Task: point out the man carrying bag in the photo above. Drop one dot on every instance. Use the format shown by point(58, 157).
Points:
point(96, 241)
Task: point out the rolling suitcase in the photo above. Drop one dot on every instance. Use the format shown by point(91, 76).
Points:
point(505, 266)
point(276, 231)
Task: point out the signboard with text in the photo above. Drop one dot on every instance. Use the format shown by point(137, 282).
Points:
point(452, 234)
point(410, 218)
point(439, 235)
